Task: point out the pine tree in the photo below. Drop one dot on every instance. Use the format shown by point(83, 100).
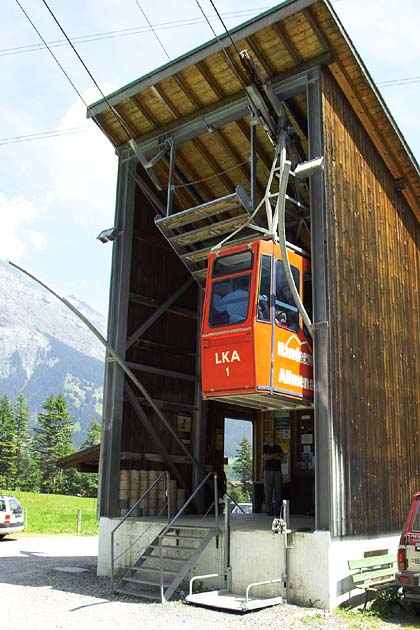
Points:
point(242, 467)
point(93, 436)
point(7, 446)
point(53, 440)
point(21, 455)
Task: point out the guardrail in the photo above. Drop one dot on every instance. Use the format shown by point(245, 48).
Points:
point(133, 507)
point(180, 512)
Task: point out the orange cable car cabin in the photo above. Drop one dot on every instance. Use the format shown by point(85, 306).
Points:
point(255, 349)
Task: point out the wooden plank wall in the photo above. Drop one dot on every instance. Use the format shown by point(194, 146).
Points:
point(374, 278)
point(170, 343)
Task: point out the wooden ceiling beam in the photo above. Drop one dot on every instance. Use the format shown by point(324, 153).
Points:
point(126, 121)
point(283, 37)
point(317, 31)
point(157, 92)
point(232, 153)
point(210, 80)
point(214, 164)
point(187, 91)
point(145, 112)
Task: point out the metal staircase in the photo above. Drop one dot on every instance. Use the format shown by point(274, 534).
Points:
point(194, 231)
point(166, 562)
point(168, 559)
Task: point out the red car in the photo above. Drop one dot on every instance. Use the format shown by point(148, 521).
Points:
point(408, 575)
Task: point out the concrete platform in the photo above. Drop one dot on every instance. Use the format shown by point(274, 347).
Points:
point(231, 602)
point(238, 522)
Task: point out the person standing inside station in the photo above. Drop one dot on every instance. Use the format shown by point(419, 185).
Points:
point(273, 483)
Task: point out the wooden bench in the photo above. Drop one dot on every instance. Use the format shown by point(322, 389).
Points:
point(373, 573)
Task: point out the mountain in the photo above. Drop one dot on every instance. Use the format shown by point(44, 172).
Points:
point(45, 349)
point(235, 431)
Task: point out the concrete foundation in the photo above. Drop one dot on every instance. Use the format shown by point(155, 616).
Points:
point(317, 564)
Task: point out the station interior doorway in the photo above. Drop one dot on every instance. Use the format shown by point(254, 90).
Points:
point(238, 460)
point(294, 432)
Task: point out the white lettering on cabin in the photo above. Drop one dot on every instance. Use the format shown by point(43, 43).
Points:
point(227, 356)
point(294, 354)
point(296, 380)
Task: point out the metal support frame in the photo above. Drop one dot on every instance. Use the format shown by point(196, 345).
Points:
point(225, 111)
point(109, 463)
point(253, 163)
point(319, 243)
point(161, 372)
point(199, 425)
point(170, 193)
point(158, 313)
point(154, 436)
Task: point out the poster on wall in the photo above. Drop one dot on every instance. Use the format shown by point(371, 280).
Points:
point(282, 438)
point(184, 428)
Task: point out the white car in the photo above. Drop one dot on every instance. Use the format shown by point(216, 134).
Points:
point(242, 508)
point(11, 516)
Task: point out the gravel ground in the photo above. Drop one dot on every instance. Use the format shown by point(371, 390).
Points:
point(35, 594)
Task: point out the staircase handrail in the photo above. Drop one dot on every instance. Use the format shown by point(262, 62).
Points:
point(178, 514)
point(133, 507)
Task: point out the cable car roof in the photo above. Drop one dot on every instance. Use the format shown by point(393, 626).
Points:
point(201, 92)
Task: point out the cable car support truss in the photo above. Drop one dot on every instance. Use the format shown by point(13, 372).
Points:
point(180, 228)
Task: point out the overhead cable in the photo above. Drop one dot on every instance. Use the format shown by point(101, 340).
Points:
point(138, 30)
point(51, 52)
point(154, 32)
point(44, 135)
point(223, 49)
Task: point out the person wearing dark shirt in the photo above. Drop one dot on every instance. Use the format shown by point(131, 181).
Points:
point(272, 456)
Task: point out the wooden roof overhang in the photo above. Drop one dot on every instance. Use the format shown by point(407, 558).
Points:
point(198, 101)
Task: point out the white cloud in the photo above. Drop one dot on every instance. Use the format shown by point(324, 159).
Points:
point(13, 215)
point(84, 167)
point(38, 240)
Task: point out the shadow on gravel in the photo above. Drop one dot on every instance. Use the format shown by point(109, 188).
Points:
point(37, 569)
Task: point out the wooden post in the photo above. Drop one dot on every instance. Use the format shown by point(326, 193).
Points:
point(79, 521)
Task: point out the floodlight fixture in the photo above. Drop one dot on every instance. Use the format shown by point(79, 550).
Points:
point(111, 234)
point(311, 167)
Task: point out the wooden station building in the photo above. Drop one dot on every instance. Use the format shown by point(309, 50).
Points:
point(190, 137)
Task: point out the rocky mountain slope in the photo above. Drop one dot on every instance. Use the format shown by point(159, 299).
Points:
point(45, 349)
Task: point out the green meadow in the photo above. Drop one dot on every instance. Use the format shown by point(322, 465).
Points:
point(57, 514)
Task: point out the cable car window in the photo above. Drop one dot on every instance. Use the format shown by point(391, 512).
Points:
point(286, 312)
point(229, 301)
point(263, 314)
point(232, 263)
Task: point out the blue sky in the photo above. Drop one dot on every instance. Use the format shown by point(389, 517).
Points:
point(57, 194)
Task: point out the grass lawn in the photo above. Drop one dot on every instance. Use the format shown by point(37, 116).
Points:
point(57, 514)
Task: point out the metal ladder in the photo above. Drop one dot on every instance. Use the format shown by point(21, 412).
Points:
point(194, 231)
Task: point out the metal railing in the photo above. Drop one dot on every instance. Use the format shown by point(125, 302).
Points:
point(164, 474)
point(179, 513)
point(254, 584)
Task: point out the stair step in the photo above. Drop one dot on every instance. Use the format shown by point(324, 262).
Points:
point(181, 537)
point(141, 594)
point(153, 570)
point(193, 527)
point(197, 213)
point(177, 547)
point(148, 581)
point(209, 231)
point(169, 558)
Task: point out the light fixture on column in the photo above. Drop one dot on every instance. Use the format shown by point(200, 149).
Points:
point(111, 234)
